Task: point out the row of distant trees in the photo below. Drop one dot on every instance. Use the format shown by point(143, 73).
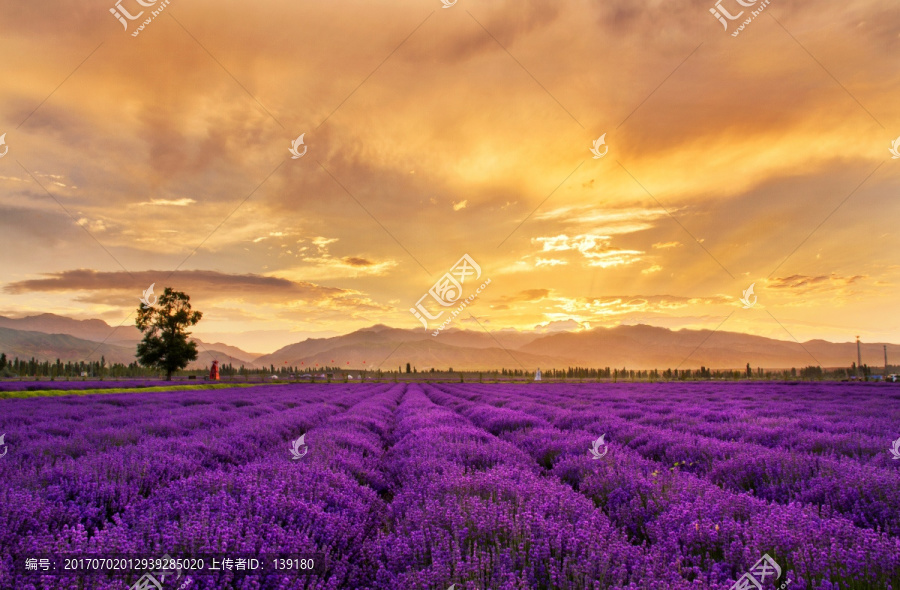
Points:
point(34, 368)
point(101, 369)
point(615, 374)
point(808, 372)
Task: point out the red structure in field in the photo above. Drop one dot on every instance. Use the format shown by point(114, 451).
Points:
point(214, 371)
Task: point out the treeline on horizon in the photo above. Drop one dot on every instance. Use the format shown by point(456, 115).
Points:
point(100, 369)
point(809, 373)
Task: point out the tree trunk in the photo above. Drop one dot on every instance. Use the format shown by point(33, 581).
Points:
point(168, 375)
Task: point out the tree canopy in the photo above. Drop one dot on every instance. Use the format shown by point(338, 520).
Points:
point(164, 324)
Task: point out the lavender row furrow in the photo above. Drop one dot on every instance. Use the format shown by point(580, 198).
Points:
point(846, 423)
point(485, 487)
point(867, 494)
point(471, 510)
point(715, 534)
point(87, 494)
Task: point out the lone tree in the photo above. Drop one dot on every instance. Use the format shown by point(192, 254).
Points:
point(165, 344)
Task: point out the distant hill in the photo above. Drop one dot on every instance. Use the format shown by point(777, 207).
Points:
point(651, 347)
point(225, 353)
point(48, 337)
point(633, 347)
point(386, 348)
point(49, 347)
point(44, 345)
point(96, 330)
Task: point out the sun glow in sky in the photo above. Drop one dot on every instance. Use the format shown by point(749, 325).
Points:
point(431, 133)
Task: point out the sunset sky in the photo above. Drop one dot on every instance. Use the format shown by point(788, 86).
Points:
point(432, 133)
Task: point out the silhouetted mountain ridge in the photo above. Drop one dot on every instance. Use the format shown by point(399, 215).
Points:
point(50, 337)
point(633, 347)
point(381, 346)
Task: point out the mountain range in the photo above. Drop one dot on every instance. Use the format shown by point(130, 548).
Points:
point(634, 347)
point(49, 336)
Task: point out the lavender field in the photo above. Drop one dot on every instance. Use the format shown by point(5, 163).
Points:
point(419, 486)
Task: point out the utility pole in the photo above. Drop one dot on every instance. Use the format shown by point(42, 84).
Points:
point(858, 358)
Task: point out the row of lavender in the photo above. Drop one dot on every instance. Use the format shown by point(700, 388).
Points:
point(825, 418)
point(472, 510)
point(177, 473)
point(411, 486)
point(201, 473)
point(710, 532)
point(732, 450)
